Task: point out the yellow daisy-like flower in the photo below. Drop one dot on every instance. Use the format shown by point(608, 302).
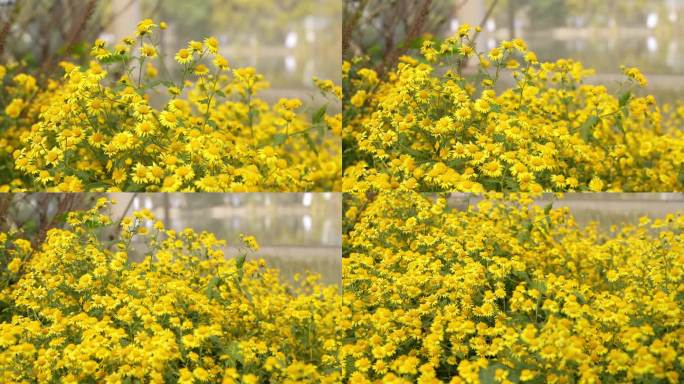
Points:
point(596, 184)
point(492, 168)
point(14, 265)
point(496, 54)
point(251, 242)
point(184, 56)
point(119, 176)
point(196, 46)
point(53, 156)
point(14, 108)
point(145, 128)
point(221, 63)
point(185, 172)
point(145, 27)
point(201, 70)
point(168, 119)
point(96, 71)
point(148, 50)
point(122, 141)
point(482, 105)
point(212, 44)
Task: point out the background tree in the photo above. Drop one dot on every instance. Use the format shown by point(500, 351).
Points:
point(42, 32)
point(384, 30)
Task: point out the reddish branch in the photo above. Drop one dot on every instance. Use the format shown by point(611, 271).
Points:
point(74, 35)
point(414, 31)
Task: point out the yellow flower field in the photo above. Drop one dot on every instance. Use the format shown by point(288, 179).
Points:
point(114, 125)
point(76, 310)
point(505, 292)
point(511, 123)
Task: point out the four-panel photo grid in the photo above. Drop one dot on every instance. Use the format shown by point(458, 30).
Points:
point(341, 191)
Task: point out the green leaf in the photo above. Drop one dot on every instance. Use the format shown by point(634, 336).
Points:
point(311, 143)
point(240, 263)
point(586, 127)
point(156, 83)
point(97, 184)
point(115, 59)
point(210, 291)
point(415, 43)
point(317, 117)
point(279, 138)
point(487, 375)
point(539, 285)
point(320, 129)
point(625, 98)
point(232, 349)
point(220, 93)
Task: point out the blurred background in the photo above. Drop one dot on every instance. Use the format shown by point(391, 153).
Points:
point(603, 34)
point(606, 208)
point(297, 232)
point(289, 41)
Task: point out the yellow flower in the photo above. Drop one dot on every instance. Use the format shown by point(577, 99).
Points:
point(212, 44)
point(185, 376)
point(145, 128)
point(168, 119)
point(636, 75)
point(14, 265)
point(526, 123)
point(358, 99)
point(175, 276)
point(201, 70)
point(426, 283)
point(145, 26)
point(596, 184)
point(122, 141)
point(482, 105)
point(496, 54)
point(151, 71)
point(53, 156)
point(527, 375)
point(250, 241)
point(184, 56)
point(221, 63)
point(148, 50)
point(78, 131)
point(195, 46)
point(493, 169)
point(13, 109)
point(201, 374)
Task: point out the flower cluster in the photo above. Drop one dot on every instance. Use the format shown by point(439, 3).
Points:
point(511, 123)
point(76, 310)
point(505, 291)
point(112, 125)
point(20, 102)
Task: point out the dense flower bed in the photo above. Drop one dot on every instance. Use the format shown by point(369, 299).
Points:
point(76, 310)
point(98, 128)
point(506, 292)
point(511, 124)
